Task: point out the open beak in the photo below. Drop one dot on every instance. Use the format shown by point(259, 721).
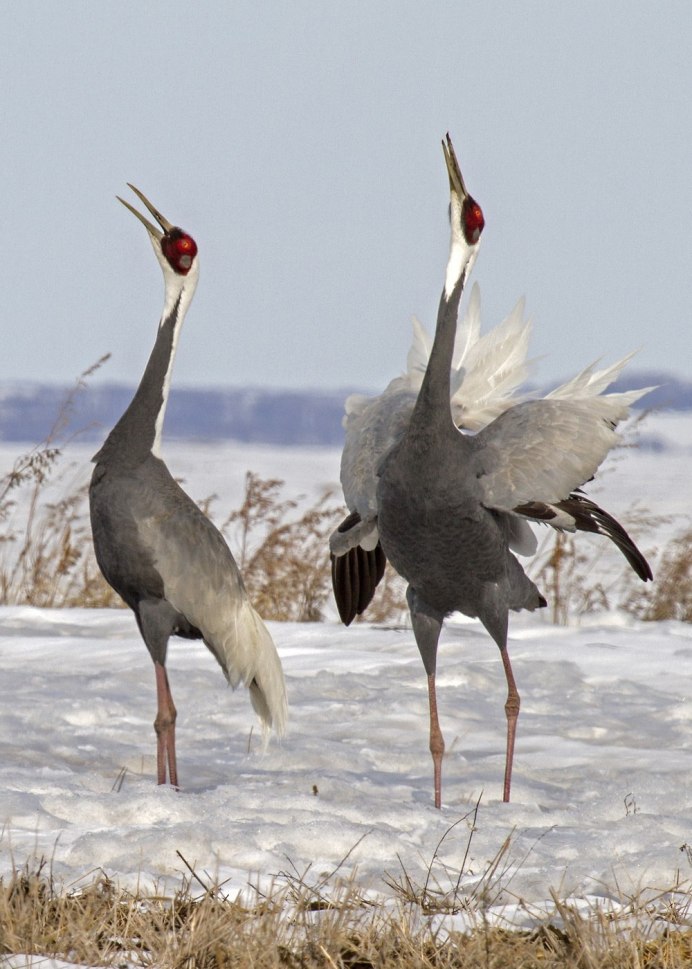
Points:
point(456, 181)
point(155, 232)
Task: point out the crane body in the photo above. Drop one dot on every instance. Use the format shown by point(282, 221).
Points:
point(444, 471)
point(156, 547)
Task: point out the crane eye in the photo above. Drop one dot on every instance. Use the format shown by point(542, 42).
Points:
point(473, 219)
point(180, 250)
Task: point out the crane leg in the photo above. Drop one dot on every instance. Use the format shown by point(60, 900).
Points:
point(156, 619)
point(164, 725)
point(427, 625)
point(437, 743)
point(512, 714)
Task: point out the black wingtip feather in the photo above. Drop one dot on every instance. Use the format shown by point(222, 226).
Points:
point(341, 584)
point(355, 577)
point(588, 517)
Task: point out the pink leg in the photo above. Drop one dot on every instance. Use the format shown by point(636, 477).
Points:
point(164, 725)
point(512, 713)
point(437, 744)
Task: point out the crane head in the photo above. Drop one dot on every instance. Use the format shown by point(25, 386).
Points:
point(173, 246)
point(466, 221)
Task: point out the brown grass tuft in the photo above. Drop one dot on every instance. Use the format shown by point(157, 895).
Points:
point(671, 595)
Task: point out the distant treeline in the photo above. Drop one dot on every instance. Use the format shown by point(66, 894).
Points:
point(289, 417)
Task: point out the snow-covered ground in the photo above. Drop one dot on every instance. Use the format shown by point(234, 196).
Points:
point(603, 772)
point(602, 788)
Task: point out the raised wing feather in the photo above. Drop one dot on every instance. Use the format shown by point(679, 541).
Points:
point(485, 379)
point(373, 426)
point(590, 383)
point(542, 450)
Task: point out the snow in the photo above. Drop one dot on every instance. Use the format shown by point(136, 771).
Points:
point(601, 790)
point(602, 782)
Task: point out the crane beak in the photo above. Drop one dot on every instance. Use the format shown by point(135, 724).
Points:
point(153, 231)
point(456, 181)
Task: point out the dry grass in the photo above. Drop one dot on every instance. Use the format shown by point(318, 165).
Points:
point(303, 926)
point(306, 922)
point(46, 557)
point(284, 560)
point(581, 574)
point(671, 595)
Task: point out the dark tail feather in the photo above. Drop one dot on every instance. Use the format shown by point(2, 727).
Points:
point(588, 517)
point(355, 576)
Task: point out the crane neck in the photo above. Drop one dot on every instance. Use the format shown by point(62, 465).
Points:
point(137, 435)
point(432, 414)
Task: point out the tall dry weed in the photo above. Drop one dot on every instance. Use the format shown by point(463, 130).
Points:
point(283, 554)
point(45, 548)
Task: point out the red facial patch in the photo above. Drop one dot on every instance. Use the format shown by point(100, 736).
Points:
point(180, 250)
point(473, 220)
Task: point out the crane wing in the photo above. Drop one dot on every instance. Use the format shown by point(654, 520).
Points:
point(373, 426)
point(531, 455)
point(541, 450)
point(202, 582)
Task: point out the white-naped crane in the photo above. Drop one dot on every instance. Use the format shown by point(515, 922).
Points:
point(443, 472)
point(155, 546)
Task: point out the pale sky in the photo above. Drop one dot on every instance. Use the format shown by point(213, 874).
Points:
point(299, 143)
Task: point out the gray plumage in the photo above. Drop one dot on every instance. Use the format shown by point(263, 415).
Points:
point(434, 527)
point(154, 545)
point(450, 508)
point(435, 530)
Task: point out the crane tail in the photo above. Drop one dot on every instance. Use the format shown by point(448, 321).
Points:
point(251, 658)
